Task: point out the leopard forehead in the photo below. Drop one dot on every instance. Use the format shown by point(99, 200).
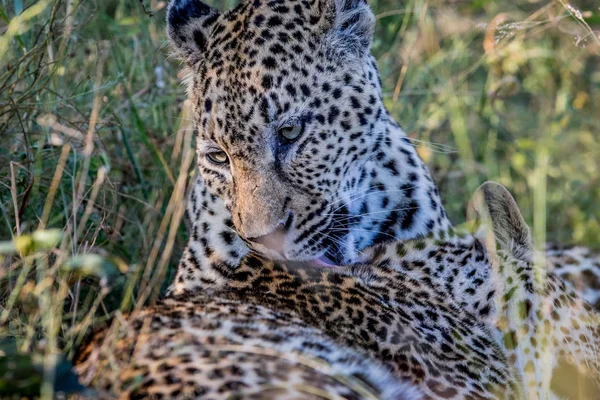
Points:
point(268, 64)
point(263, 62)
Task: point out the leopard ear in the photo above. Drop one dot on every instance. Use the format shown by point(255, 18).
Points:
point(347, 24)
point(493, 206)
point(189, 23)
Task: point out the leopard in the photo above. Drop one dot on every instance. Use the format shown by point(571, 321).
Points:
point(426, 311)
point(313, 204)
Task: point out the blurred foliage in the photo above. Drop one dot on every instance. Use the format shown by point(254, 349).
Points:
point(95, 139)
point(24, 373)
point(514, 88)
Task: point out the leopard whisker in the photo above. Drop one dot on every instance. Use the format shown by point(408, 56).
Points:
point(365, 230)
point(371, 189)
point(352, 199)
point(372, 213)
point(433, 146)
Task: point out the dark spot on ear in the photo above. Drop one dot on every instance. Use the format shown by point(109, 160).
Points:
point(210, 20)
point(199, 39)
point(183, 10)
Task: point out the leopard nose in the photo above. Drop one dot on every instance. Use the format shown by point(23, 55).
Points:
point(275, 240)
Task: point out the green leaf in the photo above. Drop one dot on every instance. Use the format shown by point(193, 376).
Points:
point(94, 265)
point(38, 241)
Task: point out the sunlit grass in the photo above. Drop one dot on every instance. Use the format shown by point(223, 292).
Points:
point(96, 141)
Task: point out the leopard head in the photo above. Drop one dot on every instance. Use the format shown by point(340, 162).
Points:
point(288, 111)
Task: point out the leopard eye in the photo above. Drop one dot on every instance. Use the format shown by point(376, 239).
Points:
point(291, 133)
point(217, 157)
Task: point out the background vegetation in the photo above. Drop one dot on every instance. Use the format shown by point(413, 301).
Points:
point(95, 145)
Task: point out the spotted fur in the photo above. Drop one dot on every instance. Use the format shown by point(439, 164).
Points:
point(408, 325)
point(349, 190)
point(222, 348)
point(579, 267)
